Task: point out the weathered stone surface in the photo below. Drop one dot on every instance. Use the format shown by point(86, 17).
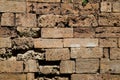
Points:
point(48, 8)
point(12, 6)
point(106, 52)
point(2, 50)
point(86, 77)
point(67, 1)
point(8, 76)
point(7, 19)
point(5, 43)
point(57, 54)
point(31, 7)
point(107, 32)
point(108, 42)
point(67, 67)
point(30, 76)
point(31, 66)
point(11, 66)
point(51, 20)
point(7, 32)
point(26, 20)
point(48, 43)
point(28, 32)
point(108, 66)
point(87, 65)
point(116, 6)
point(115, 53)
point(83, 32)
point(57, 32)
point(53, 78)
point(80, 42)
point(109, 19)
point(22, 43)
point(48, 0)
point(49, 69)
point(82, 21)
point(106, 6)
point(86, 52)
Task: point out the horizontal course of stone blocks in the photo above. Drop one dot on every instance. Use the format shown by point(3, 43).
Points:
point(59, 40)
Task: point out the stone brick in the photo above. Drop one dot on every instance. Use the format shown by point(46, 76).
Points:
point(108, 42)
point(9, 76)
point(22, 43)
point(67, 67)
point(108, 66)
point(31, 66)
point(110, 0)
point(116, 6)
point(115, 53)
point(51, 20)
point(119, 42)
point(54, 69)
point(86, 77)
point(87, 65)
point(2, 51)
point(28, 32)
point(31, 7)
point(7, 19)
point(109, 19)
point(86, 52)
point(57, 32)
point(83, 32)
point(107, 32)
point(48, 8)
point(106, 6)
point(7, 32)
point(12, 6)
point(57, 54)
point(80, 42)
point(106, 52)
point(11, 66)
point(67, 1)
point(48, 43)
point(82, 21)
point(48, 0)
point(26, 20)
point(5, 43)
point(91, 1)
point(30, 76)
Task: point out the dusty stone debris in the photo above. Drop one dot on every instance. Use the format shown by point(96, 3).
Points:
point(59, 39)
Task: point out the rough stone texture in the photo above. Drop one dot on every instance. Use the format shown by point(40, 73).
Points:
point(57, 54)
point(67, 67)
point(48, 8)
point(48, 0)
point(86, 52)
point(31, 7)
point(11, 66)
point(80, 42)
point(48, 43)
point(87, 65)
point(108, 42)
point(116, 6)
point(106, 52)
point(5, 43)
point(83, 32)
point(7, 19)
point(115, 53)
point(109, 66)
point(12, 6)
point(106, 6)
point(30, 76)
point(57, 32)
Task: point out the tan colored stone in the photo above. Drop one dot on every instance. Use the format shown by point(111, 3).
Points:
point(106, 52)
point(67, 67)
point(48, 8)
point(57, 32)
point(11, 66)
point(80, 42)
point(57, 54)
point(31, 7)
point(48, 43)
point(83, 32)
point(9, 76)
point(108, 66)
point(48, 0)
point(86, 52)
point(109, 19)
point(106, 6)
point(13, 6)
point(115, 53)
point(107, 32)
point(26, 20)
point(30, 76)
point(67, 1)
point(108, 42)
point(116, 6)
point(7, 19)
point(5, 43)
point(87, 65)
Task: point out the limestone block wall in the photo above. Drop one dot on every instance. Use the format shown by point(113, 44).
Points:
point(59, 40)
